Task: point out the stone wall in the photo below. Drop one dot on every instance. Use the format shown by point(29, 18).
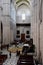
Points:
point(37, 29)
point(5, 18)
point(35, 24)
point(41, 35)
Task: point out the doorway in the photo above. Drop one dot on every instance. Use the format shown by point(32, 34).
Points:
point(22, 37)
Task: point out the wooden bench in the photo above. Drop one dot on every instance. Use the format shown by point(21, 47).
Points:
point(5, 46)
point(25, 60)
point(1, 61)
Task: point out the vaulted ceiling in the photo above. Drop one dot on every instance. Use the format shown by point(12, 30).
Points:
point(23, 6)
point(18, 1)
point(22, 2)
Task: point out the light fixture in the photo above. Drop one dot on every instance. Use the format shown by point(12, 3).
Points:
point(23, 16)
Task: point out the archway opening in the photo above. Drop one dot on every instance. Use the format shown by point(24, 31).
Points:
point(1, 34)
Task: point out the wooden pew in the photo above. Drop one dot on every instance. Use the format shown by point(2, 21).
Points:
point(4, 46)
point(25, 60)
point(2, 59)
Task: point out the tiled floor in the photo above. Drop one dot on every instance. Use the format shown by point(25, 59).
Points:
point(12, 60)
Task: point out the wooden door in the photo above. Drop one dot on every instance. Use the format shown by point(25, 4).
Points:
point(23, 37)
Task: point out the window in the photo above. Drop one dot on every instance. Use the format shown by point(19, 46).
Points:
point(28, 36)
point(18, 36)
point(18, 32)
point(27, 32)
point(23, 16)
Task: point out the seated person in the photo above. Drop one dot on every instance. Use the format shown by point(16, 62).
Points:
point(32, 48)
point(25, 48)
point(28, 48)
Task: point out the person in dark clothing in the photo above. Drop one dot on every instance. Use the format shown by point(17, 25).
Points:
point(18, 53)
point(25, 49)
point(32, 48)
point(10, 54)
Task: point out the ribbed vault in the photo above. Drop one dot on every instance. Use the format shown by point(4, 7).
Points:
point(18, 1)
point(23, 2)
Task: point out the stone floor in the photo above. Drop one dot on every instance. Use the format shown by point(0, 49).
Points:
point(12, 60)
